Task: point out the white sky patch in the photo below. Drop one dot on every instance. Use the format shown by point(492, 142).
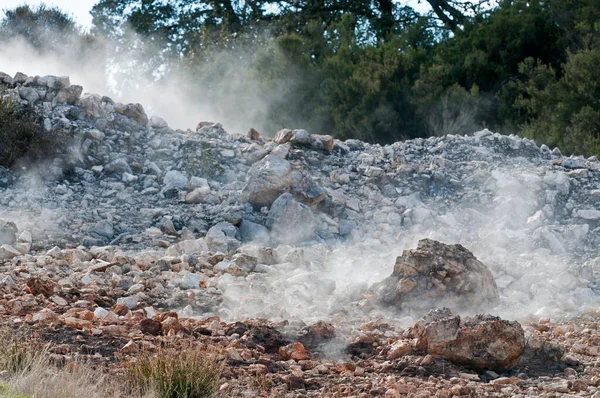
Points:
point(79, 10)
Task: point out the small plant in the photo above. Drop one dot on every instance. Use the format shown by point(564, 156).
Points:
point(192, 372)
point(17, 355)
point(21, 137)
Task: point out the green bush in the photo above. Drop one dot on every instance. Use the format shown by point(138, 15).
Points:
point(22, 137)
point(191, 372)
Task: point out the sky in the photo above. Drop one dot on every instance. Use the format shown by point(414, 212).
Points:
point(78, 9)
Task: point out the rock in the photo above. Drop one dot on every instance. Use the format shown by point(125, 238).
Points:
point(222, 238)
point(191, 280)
point(437, 274)
point(119, 165)
point(480, 343)
point(201, 125)
point(167, 226)
point(283, 136)
point(68, 95)
point(294, 351)
point(267, 337)
point(253, 134)
point(7, 252)
point(158, 122)
point(317, 333)
point(326, 141)
point(197, 195)
point(92, 105)
point(175, 179)
point(588, 215)
point(150, 326)
point(135, 112)
point(252, 232)
point(398, 350)
point(301, 138)
point(29, 94)
point(8, 232)
point(38, 286)
point(290, 221)
point(102, 229)
point(267, 180)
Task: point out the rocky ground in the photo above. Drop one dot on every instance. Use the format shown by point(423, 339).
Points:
point(282, 252)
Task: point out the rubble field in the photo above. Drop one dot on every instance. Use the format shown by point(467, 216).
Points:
point(455, 266)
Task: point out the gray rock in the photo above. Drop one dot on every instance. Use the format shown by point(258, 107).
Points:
point(267, 180)
point(252, 232)
point(68, 95)
point(222, 237)
point(102, 229)
point(8, 232)
point(175, 179)
point(118, 166)
point(29, 94)
point(290, 221)
point(158, 122)
point(588, 215)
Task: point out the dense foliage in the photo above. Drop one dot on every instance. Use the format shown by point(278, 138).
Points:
point(375, 70)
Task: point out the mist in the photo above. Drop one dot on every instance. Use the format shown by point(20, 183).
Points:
point(222, 88)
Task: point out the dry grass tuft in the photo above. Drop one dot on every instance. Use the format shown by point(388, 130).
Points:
point(192, 372)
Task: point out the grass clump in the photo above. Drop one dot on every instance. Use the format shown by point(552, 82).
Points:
point(17, 355)
point(192, 372)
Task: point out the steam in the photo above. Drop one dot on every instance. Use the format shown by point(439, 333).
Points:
point(224, 88)
point(316, 283)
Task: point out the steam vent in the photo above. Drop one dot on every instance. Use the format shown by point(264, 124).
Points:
point(264, 263)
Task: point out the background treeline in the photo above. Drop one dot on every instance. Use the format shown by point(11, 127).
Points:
point(374, 70)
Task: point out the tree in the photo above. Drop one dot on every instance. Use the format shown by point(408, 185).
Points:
point(44, 28)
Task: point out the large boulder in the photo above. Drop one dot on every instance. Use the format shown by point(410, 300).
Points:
point(268, 179)
point(290, 221)
point(482, 342)
point(435, 274)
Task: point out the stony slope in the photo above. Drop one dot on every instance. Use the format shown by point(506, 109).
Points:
point(294, 228)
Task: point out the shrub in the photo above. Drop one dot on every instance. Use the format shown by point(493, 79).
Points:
point(192, 372)
point(21, 137)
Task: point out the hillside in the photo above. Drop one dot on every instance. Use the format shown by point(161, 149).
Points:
point(226, 238)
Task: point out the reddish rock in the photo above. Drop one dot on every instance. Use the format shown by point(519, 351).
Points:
point(38, 286)
point(120, 309)
point(436, 274)
point(295, 351)
point(283, 136)
point(482, 342)
point(253, 134)
point(150, 326)
point(326, 140)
